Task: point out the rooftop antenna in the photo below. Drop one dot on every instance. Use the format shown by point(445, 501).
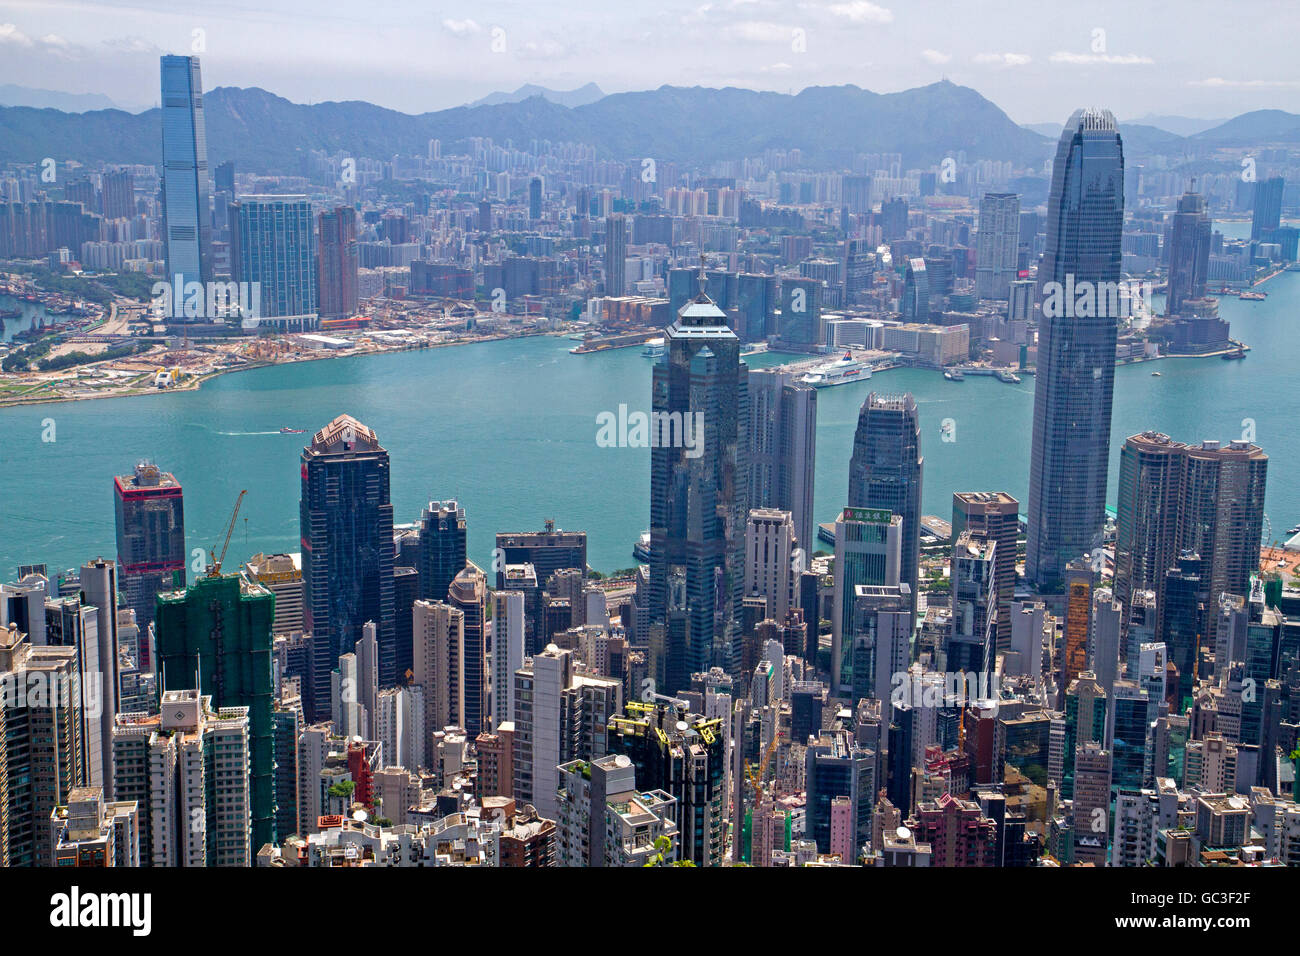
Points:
point(703, 278)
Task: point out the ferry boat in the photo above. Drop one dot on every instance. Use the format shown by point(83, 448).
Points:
point(1253, 296)
point(954, 375)
point(641, 550)
point(1155, 374)
point(1237, 353)
point(1011, 378)
point(286, 430)
point(654, 348)
point(840, 372)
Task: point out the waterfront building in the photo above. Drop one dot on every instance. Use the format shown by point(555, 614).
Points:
point(150, 511)
point(187, 225)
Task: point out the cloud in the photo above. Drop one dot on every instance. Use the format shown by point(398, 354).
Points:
point(935, 57)
point(761, 31)
point(1083, 59)
point(461, 28)
point(9, 33)
point(861, 11)
point(778, 68)
point(698, 14)
point(131, 44)
point(1218, 82)
point(1002, 59)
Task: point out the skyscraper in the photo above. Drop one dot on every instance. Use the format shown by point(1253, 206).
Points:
point(336, 263)
point(217, 634)
point(273, 244)
point(468, 594)
point(346, 522)
point(187, 227)
point(442, 548)
point(769, 560)
point(698, 495)
point(1267, 213)
point(995, 515)
point(1146, 536)
point(1075, 378)
point(996, 244)
point(535, 198)
point(1222, 516)
point(885, 470)
point(869, 549)
point(151, 554)
point(783, 447)
point(1189, 253)
point(615, 255)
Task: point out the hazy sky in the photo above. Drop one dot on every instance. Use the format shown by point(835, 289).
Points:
point(1037, 59)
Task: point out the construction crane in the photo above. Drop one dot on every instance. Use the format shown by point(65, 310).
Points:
point(214, 564)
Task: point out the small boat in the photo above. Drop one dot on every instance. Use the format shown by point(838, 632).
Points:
point(954, 375)
point(1234, 354)
point(1155, 374)
point(1253, 296)
point(1005, 375)
point(1295, 530)
point(286, 430)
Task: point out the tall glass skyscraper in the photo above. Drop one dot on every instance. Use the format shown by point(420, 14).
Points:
point(1189, 253)
point(274, 244)
point(698, 496)
point(150, 511)
point(187, 225)
point(346, 521)
point(1075, 378)
point(885, 470)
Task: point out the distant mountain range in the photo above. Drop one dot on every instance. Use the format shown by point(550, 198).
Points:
point(570, 98)
point(265, 133)
point(11, 95)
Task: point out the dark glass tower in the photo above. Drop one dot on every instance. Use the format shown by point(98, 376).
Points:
point(187, 225)
point(150, 510)
point(346, 523)
point(698, 496)
point(1189, 253)
point(1075, 379)
point(885, 470)
point(442, 548)
point(1267, 214)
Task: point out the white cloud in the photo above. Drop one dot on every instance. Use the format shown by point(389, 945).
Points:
point(760, 31)
point(461, 28)
point(1219, 82)
point(1002, 59)
point(862, 11)
point(935, 57)
point(9, 33)
point(1082, 59)
point(777, 68)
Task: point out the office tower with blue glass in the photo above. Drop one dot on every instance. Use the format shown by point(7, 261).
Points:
point(187, 225)
point(346, 521)
point(273, 244)
point(1074, 384)
point(699, 490)
point(885, 470)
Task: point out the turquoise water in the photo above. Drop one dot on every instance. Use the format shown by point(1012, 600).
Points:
point(509, 428)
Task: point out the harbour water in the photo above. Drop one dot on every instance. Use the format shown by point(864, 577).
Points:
point(509, 428)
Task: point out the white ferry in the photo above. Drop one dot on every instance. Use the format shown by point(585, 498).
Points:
point(840, 372)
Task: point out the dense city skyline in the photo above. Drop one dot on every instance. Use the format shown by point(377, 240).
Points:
point(854, 400)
